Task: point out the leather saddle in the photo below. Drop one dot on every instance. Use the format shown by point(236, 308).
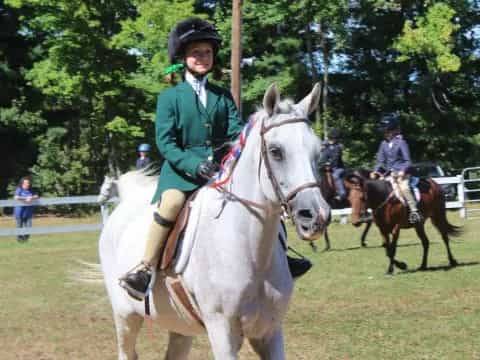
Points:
point(170, 249)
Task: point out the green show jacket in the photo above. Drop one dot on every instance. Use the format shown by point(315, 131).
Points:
point(187, 133)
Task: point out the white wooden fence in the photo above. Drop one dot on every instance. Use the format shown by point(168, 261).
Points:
point(92, 199)
point(89, 199)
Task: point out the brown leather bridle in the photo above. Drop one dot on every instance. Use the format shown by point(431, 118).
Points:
point(284, 200)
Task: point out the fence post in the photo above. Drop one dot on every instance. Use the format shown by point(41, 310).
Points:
point(461, 196)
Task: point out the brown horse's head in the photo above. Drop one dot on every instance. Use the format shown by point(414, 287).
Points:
point(355, 186)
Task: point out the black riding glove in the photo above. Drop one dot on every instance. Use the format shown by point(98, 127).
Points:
point(207, 169)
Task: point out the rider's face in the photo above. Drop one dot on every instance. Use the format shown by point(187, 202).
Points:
point(199, 57)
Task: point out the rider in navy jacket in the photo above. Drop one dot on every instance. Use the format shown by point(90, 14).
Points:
point(332, 151)
point(393, 157)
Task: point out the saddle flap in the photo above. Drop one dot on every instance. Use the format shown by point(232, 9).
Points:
point(170, 248)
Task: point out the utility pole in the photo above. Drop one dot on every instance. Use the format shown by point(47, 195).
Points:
point(235, 60)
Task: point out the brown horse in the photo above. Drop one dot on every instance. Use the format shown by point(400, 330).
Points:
point(391, 215)
point(327, 187)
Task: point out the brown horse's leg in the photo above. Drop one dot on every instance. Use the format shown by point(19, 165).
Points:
point(395, 234)
point(444, 228)
point(327, 241)
point(388, 251)
point(420, 230)
point(363, 243)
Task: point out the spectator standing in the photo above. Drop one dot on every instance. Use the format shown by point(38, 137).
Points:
point(24, 214)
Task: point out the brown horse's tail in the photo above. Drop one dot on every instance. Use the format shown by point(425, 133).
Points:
point(440, 220)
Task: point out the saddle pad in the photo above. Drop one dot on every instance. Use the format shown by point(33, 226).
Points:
point(184, 304)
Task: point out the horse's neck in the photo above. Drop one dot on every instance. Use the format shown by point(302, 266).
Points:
point(245, 183)
point(378, 192)
point(327, 186)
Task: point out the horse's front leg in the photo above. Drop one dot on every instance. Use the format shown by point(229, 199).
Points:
point(224, 335)
point(327, 241)
point(363, 241)
point(387, 244)
point(270, 348)
point(395, 234)
point(420, 230)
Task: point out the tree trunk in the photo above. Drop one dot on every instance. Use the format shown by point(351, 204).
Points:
point(326, 66)
point(236, 55)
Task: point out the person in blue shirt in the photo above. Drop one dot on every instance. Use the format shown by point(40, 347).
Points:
point(143, 159)
point(24, 214)
point(393, 157)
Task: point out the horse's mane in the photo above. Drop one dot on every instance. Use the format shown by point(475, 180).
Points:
point(228, 163)
point(138, 185)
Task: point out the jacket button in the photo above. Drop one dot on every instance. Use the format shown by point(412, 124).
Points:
point(208, 142)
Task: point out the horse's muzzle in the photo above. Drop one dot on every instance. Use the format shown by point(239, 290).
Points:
point(310, 224)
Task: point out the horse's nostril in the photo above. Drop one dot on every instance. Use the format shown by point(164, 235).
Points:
point(305, 213)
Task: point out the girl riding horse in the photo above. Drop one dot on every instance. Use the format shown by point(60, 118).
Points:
point(194, 121)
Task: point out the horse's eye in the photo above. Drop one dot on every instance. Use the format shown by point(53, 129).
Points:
point(276, 153)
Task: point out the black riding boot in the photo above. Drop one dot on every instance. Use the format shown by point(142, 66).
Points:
point(298, 267)
point(136, 281)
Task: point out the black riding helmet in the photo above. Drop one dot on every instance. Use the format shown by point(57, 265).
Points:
point(334, 134)
point(189, 30)
point(390, 122)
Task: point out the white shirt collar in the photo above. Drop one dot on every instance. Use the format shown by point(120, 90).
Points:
point(198, 86)
point(194, 82)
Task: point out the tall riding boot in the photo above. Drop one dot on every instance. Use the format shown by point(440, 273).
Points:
point(298, 266)
point(414, 216)
point(137, 280)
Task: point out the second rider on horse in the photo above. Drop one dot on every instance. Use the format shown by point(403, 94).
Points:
point(332, 161)
point(393, 158)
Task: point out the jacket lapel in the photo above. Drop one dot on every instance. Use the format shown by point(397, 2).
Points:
point(212, 100)
point(189, 97)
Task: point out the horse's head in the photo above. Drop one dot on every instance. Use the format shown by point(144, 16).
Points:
point(107, 190)
point(355, 186)
point(290, 152)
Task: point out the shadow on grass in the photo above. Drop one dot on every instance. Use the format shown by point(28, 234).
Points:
point(439, 268)
point(372, 247)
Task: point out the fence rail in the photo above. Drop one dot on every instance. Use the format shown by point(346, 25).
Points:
point(35, 230)
point(92, 199)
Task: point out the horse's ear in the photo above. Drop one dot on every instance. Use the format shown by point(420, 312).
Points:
point(271, 99)
point(310, 102)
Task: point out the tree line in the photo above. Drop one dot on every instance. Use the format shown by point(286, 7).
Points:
point(79, 78)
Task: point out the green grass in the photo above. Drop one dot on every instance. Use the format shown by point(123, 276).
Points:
point(344, 308)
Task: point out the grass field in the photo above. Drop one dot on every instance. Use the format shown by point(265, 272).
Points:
point(344, 308)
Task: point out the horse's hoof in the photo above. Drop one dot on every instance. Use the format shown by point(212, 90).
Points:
point(389, 273)
point(327, 248)
point(453, 263)
point(401, 265)
point(422, 268)
point(363, 245)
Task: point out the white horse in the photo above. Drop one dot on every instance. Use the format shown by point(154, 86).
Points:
point(230, 259)
point(144, 181)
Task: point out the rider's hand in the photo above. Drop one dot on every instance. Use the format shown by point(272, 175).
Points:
point(401, 174)
point(373, 175)
point(207, 169)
